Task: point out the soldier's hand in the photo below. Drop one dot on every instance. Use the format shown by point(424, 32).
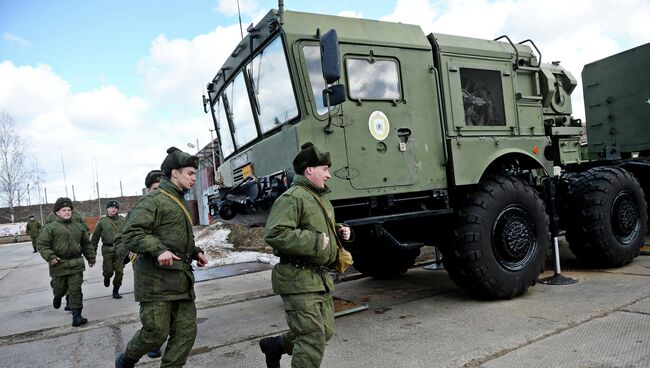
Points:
point(167, 258)
point(55, 261)
point(202, 260)
point(344, 231)
point(91, 263)
point(326, 241)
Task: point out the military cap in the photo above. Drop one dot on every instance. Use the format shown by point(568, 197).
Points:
point(310, 156)
point(112, 203)
point(62, 202)
point(177, 159)
point(152, 177)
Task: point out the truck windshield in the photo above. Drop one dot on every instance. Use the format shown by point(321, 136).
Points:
point(262, 93)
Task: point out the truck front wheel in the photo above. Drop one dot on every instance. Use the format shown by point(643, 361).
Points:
point(606, 217)
point(500, 240)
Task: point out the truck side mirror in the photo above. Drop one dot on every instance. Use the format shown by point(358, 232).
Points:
point(330, 56)
point(334, 95)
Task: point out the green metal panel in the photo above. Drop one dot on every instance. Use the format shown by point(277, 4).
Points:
point(473, 155)
point(617, 102)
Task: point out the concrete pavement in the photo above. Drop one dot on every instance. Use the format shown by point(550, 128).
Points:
point(419, 320)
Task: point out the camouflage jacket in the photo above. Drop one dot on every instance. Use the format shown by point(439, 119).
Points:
point(33, 228)
point(67, 240)
point(295, 230)
point(107, 229)
point(157, 224)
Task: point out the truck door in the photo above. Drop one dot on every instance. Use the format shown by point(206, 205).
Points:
point(379, 134)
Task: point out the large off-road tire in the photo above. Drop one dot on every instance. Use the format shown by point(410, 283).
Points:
point(377, 258)
point(606, 217)
point(501, 238)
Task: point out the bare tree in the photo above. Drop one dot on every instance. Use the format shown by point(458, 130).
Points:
point(14, 173)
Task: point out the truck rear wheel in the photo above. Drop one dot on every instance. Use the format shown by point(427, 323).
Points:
point(501, 240)
point(606, 217)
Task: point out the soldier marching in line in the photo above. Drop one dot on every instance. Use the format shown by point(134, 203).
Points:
point(159, 230)
point(106, 229)
point(32, 229)
point(301, 230)
point(61, 244)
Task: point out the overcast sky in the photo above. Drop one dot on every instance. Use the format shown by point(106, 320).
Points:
point(118, 82)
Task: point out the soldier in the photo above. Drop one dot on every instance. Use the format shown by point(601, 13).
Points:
point(61, 244)
point(159, 229)
point(305, 240)
point(33, 228)
point(151, 182)
point(106, 229)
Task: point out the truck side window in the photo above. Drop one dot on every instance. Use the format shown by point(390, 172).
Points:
point(227, 147)
point(482, 97)
point(373, 79)
point(312, 59)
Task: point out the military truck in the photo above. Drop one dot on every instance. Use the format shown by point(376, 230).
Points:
point(462, 143)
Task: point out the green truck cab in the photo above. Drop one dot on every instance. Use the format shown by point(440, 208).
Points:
point(434, 139)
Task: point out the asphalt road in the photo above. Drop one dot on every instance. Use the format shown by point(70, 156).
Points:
point(419, 320)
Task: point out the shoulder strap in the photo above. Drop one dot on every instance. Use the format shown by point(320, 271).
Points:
point(178, 202)
point(329, 220)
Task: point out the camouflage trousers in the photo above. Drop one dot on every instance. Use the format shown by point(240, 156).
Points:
point(70, 285)
point(176, 319)
point(310, 317)
point(34, 238)
point(112, 264)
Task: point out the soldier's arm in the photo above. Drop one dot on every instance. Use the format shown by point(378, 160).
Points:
point(97, 234)
point(137, 235)
point(44, 244)
point(282, 232)
point(87, 248)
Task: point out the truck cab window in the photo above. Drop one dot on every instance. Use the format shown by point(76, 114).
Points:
point(242, 115)
point(272, 86)
point(312, 59)
point(482, 97)
point(373, 79)
point(227, 146)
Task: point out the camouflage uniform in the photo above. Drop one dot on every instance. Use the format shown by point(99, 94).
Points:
point(107, 229)
point(66, 240)
point(32, 229)
point(295, 230)
point(166, 293)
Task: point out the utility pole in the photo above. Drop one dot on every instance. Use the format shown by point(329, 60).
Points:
point(121, 193)
point(29, 200)
point(214, 160)
point(65, 182)
point(74, 198)
point(38, 186)
point(45, 189)
point(99, 201)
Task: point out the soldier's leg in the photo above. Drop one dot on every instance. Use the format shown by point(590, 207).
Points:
point(34, 244)
point(75, 295)
point(59, 287)
point(118, 266)
point(107, 264)
point(307, 319)
point(182, 334)
point(155, 318)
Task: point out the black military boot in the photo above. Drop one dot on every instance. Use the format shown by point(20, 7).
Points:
point(67, 304)
point(77, 319)
point(122, 361)
point(56, 303)
point(116, 292)
point(107, 281)
point(272, 349)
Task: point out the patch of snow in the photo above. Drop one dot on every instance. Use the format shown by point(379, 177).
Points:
point(243, 257)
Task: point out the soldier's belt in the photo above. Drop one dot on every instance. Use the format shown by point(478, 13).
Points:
point(70, 256)
point(302, 264)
